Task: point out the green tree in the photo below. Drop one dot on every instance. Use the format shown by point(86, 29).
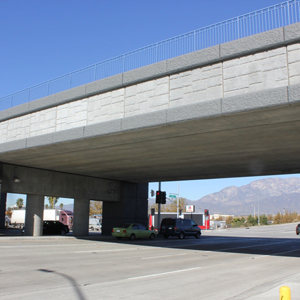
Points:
point(263, 220)
point(237, 222)
point(251, 221)
point(52, 201)
point(61, 205)
point(20, 202)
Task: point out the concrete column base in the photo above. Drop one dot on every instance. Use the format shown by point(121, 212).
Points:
point(34, 215)
point(133, 207)
point(81, 217)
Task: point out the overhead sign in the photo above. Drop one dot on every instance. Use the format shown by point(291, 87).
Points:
point(172, 196)
point(190, 208)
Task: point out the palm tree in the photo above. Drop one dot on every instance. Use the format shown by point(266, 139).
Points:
point(20, 203)
point(52, 201)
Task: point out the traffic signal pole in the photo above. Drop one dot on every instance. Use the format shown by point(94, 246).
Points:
point(159, 204)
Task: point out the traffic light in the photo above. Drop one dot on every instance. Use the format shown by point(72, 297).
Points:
point(152, 193)
point(158, 196)
point(206, 212)
point(163, 197)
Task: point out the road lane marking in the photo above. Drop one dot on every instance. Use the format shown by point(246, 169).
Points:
point(108, 250)
point(45, 245)
point(163, 256)
point(251, 246)
point(165, 273)
point(277, 253)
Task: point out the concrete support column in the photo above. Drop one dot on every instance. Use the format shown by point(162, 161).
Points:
point(34, 215)
point(81, 217)
point(2, 210)
point(133, 207)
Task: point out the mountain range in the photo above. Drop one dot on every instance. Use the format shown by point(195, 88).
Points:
point(270, 196)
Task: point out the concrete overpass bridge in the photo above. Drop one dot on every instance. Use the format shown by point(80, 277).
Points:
point(226, 111)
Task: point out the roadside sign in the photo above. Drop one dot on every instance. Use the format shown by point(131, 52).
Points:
point(190, 208)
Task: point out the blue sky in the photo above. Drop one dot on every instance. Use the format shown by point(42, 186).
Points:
point(42, 39)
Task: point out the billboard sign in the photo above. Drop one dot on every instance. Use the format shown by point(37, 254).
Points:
point(190, 208)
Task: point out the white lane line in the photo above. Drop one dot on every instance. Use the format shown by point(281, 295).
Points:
point(45, 245)
point(110, 250)
point(250, 246)
point(286, 251)
point(166, 273)
point(163, 256)
point(277, 253)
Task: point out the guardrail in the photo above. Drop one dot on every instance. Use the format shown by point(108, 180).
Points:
point(269, 18)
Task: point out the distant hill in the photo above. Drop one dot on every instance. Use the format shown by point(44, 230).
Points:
point(272, 194)
point(66, 207)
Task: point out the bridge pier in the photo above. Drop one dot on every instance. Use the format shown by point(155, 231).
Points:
point(34, 215)
point(133, 207)
point(81, 217)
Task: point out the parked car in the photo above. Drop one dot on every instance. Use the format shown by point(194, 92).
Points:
point(180, 228)
point(298, 229)
point(53, 227)
point(133, 231)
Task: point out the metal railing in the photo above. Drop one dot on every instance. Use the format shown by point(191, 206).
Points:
point(272, 17)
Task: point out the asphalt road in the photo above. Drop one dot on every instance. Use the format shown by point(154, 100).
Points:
point(223, 264)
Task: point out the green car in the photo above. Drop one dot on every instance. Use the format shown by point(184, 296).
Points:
point(133, 231)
